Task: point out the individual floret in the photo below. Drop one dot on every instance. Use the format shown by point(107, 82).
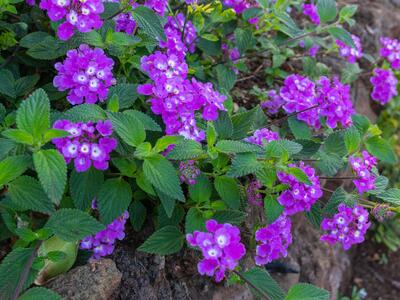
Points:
point(362, 166)
point(346, 51)
point(311, 11)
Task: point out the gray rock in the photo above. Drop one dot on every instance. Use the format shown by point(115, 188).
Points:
point(93, 281)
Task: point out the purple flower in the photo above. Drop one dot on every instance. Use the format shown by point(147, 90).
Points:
point(390, 49)
point(159, 6)
point(220, 246)
point(87, 144)
point(313, 50)
point(83, 16)
point(385, 86)
point(102, 243)
point(262, 136)
point(352, 54)
point(311, 11)
point(299, 95)
point(273, 240)
point(124, 22)
point(347, 227)
point(238, 6)
point(274, 103)
point(299, 196)
point(86, 73)
point(254, 197)
point(362, 166)
point(188, 172)
point(335, 102)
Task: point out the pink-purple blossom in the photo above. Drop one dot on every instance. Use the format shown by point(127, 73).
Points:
point(220, 246)
point(347, 227)
point(87, 75)
point(362, 166)
point(311, 11)
point(273, 240)
point(352, 54)
point(103, 242)
point(299, 196)
point(262, 136)
point(390, 49)
point(254, 197)
point(384, 86)
point(273, 103)
point(238, 6)
point(87, 143)
point(188, 172)
point(83, 16)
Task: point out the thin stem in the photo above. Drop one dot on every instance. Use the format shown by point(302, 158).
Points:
point(339, 177)
point(251, 284)
point(25, 272)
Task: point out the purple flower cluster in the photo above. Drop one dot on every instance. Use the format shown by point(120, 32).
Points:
point(125, 22)
point(391, 51)
point(232, 53)
point(311, 11)
point(159, 6)
point(299, 95)
point(273, 240)
point(352, 54)
point(83, 15)
point(86, 73)
point(274, 103)
point(220, 246)
point(362, 166)
point(347, 227)
point(87, 143)
point(238, 6)
point(335, 102)
point(102, 243)
point(385, 86)
point(299, 196)
point(188, 172)
point(253, 195)
point(262, 136)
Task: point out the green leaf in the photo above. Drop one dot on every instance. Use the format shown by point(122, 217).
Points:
point(19, 136)
point(228, 190)
point(335, 143)
point(52, 172)
point(11, 270)
point(201, 191)
point(309, 148)
point(33, 115)
point(147, 20)
point(26, 234)
point(223, 125)
point(231, 216)
point(299, 129)
point(148, 123)
point(84, 187)
point(167, 202)
point(165, 241)
point(267, 176)
point(27, 193)
point(161, 173)
point(73, 225)
point(113, 104)
point(194, 220)
point(242, 124)
point(113, 199)
point(33, 38)
point(93, 38)
point(261, 279)
point(12, 167)
point(211, 135)
point(350, 73)
point(299, 174)
point(126, 93)
point(272, 209)
point(137, 215)
point(362, 123)
point(129, 128)
point(244, 39)
point(348, 11)
point(227, 146)
point(226, 78)
point(125, 166)
point(381, 183)
point(38, 293)
point(121, 39)
point(338, 197)
point(327, 10)
point(7, 83)
point(85, 113)
point(329, 164)
point(343, 35)
point(174, 220)
point(291, 147)
point(165, 141)
point(380, 148)
point(25, 84)
point(391, 195)
point(305, 291)
point(244, 164)
point(186, 149)
point(352, 139)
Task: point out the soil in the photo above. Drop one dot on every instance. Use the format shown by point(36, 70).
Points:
point(379, 277)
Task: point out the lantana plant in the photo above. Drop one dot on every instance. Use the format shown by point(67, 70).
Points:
point(117, 110)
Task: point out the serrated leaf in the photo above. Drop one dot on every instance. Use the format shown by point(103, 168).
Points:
point(39, 293)
point(299, 174)
point(85, 113)
point(186, 149)
point(380, 148)
point(226, 78)
point(309, 148)
point(165, 141)
point(161, 173)
point(33, 115)
point(381, 183)
point(52, 172)
point(126, 93)
point(73, 225)
point(223, 125)
point(7, 83)
point(391, 195)
point(194, 220)
point(299, 129)
point(231, 216)
point(84, 187)
point(113, 199)
point(168, 203)
point(228, 190)
point(227, 146)
point(335, 144)
point(242, 123)
point(272, 209)
point(147, 121)
point(19, 136)
point(342, 35)
point(244, 164)
point(201, 191)
point(361, 122)
point(327, 10)
point(130, 129)
point(352, 139)
point(261, 279)
point(165, 241)
point(314, 216)
point(149, 22)
point(305, 291)
point(329, 164)
point(137, 215)
point(244, 39)
point(339, 196)
point(174, 220)
point(12, 167)
point(291, 147)
point(27, 193)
